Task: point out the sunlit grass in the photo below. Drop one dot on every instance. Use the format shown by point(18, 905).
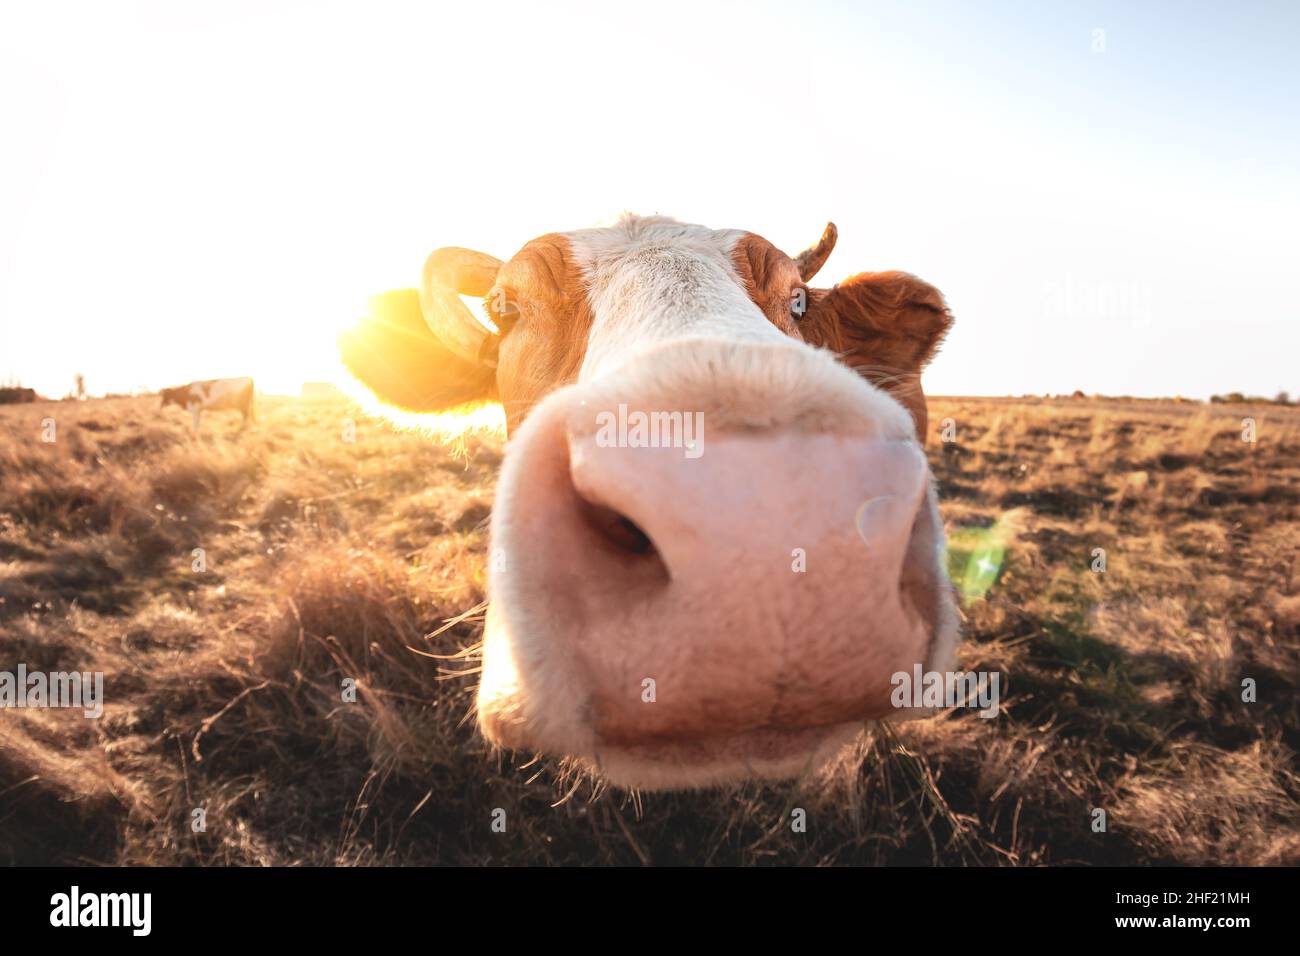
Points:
point(331, 559)
point(484, 418)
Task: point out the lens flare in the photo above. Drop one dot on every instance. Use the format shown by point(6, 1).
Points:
point(861, 519)
point(975, 557)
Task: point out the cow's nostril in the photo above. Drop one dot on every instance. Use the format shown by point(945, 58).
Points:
point(619, 530)
point(633, 537)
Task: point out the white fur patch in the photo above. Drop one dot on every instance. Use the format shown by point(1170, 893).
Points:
point(650, 279)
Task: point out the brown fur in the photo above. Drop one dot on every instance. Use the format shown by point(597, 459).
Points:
point(770, 277)
point(887, 326)
point(544, 351)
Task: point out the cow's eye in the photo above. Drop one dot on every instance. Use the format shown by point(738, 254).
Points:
point(504, 310)
point(798, 302)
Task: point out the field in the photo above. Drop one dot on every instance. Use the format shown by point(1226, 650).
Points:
point(336, 546)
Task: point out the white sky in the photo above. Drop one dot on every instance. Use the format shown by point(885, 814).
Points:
point(192, 190)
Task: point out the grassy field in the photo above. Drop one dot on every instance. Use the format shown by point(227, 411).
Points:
point(329, 559)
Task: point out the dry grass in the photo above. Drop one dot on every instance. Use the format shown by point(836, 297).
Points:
point(330, 561)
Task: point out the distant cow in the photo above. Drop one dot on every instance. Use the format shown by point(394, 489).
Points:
point(235, 394)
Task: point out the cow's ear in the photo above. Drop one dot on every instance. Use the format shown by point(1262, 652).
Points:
point(886, 326)
point(393, 353)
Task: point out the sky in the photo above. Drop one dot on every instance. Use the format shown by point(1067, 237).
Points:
point(1107, 194)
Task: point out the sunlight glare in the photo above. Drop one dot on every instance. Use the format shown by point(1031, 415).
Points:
point(479, 418)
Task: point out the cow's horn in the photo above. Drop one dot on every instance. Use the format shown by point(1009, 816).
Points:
point(449, 273)
point(812, 259)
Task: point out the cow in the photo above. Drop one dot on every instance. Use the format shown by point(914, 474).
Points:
point(681, 614)
point(212, 394)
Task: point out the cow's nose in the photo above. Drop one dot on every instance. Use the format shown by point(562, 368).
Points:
point(752, 580)
point(673, 593)
point(745, 505)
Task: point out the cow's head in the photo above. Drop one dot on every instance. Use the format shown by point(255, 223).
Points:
point(734, 602)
